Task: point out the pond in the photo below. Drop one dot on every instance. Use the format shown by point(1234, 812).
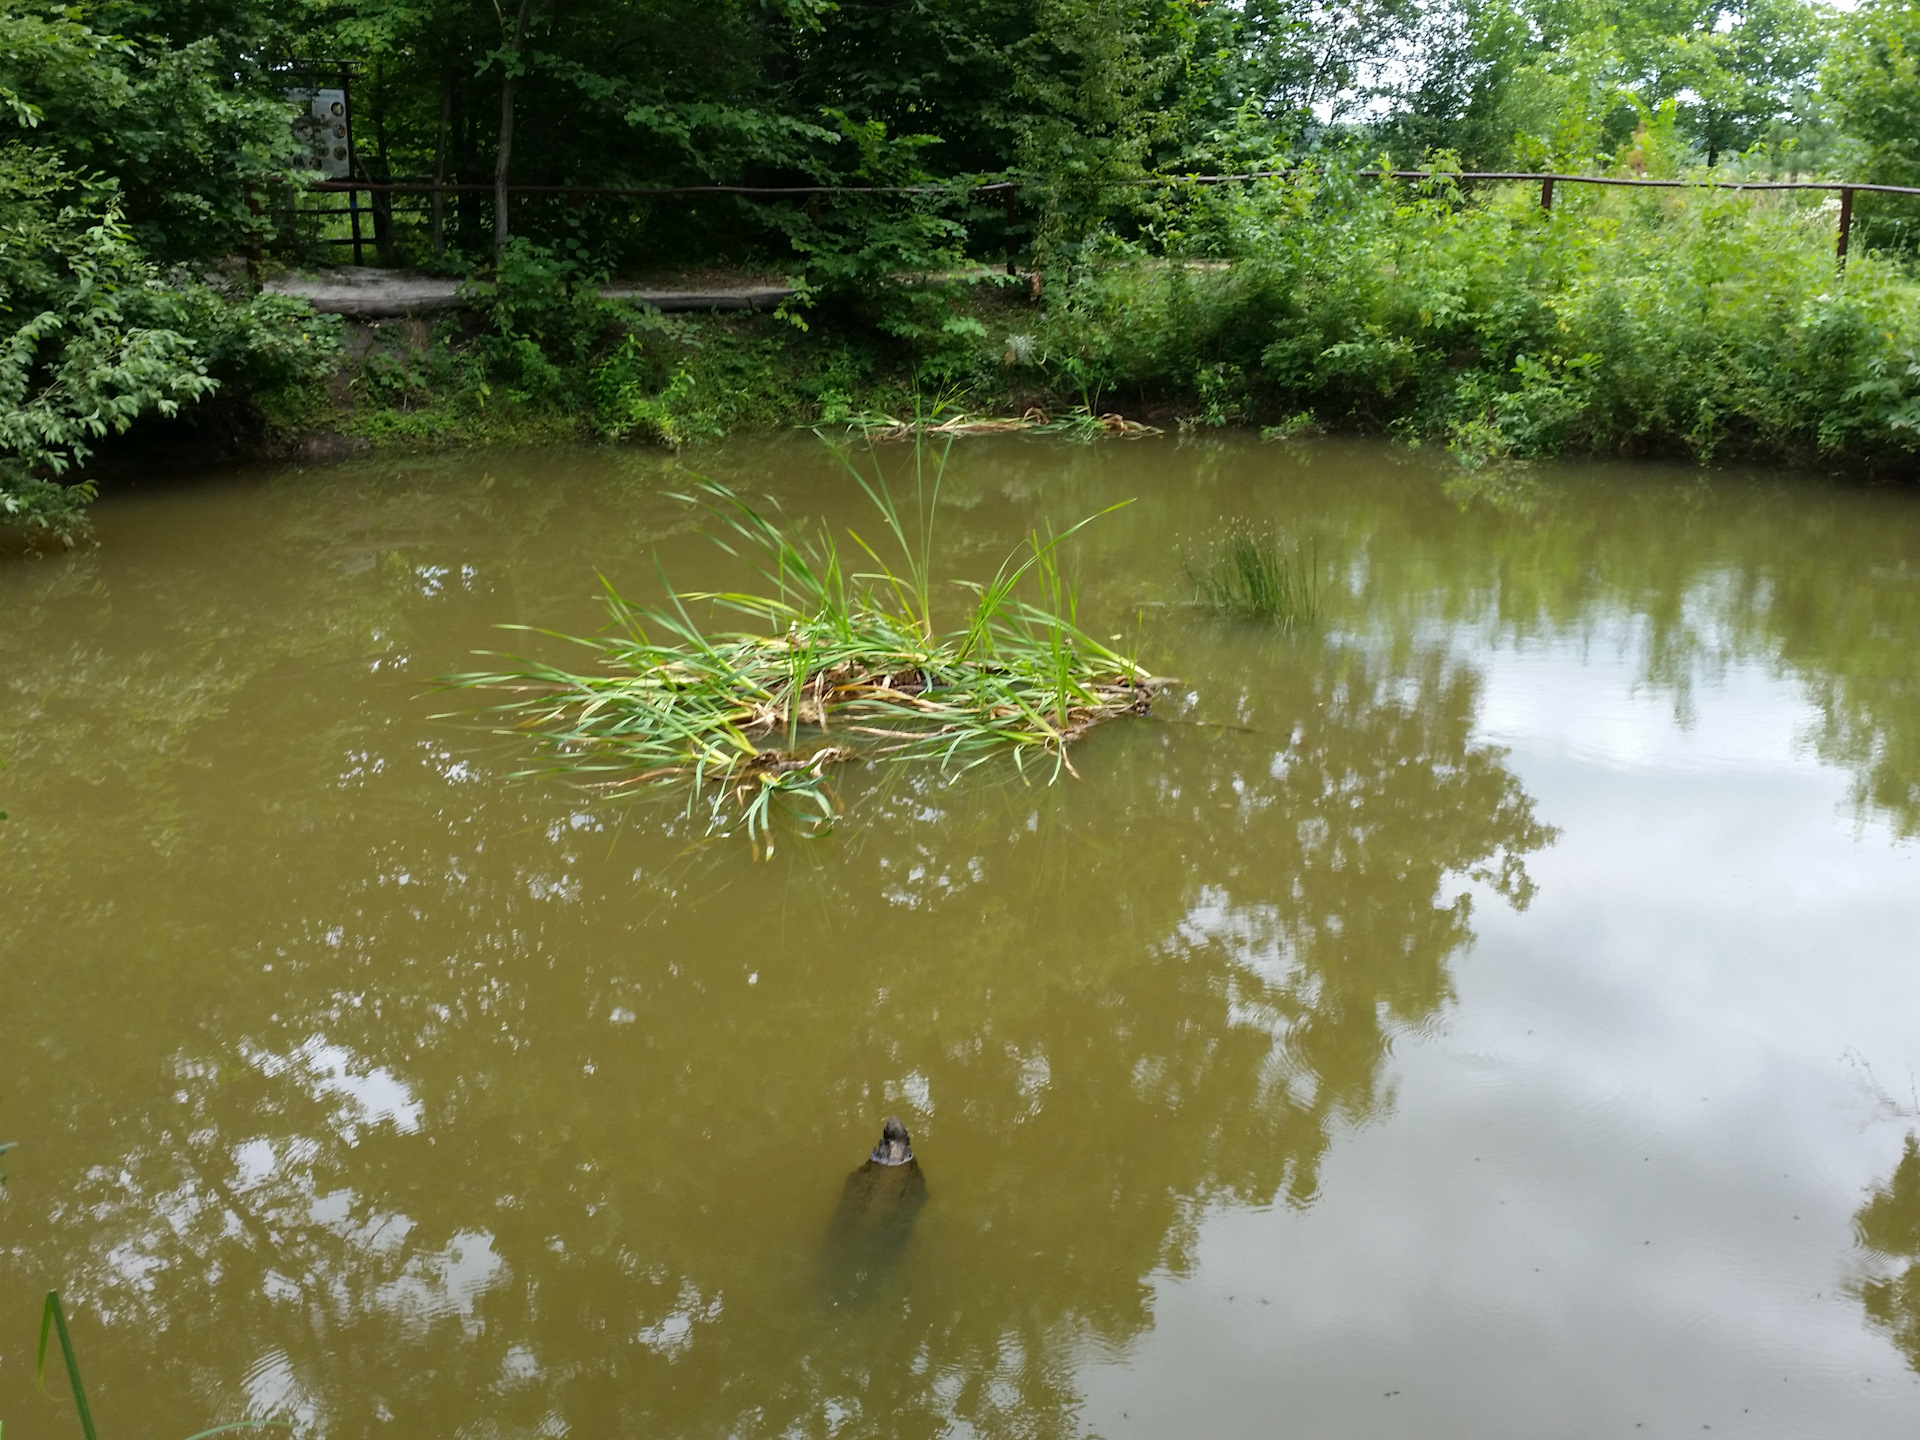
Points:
point(1490, 1010)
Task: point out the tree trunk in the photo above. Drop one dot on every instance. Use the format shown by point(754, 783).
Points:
point(467, 204)
point(439, 231)
point(503, 158)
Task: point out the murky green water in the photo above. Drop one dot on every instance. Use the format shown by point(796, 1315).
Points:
point(1498, 1023)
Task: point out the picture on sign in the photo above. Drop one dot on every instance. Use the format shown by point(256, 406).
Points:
point(320, 125)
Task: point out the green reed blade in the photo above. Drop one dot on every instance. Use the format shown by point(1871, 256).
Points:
point(53, 1318)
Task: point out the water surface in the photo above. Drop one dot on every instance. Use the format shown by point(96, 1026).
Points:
point(1498, 1019)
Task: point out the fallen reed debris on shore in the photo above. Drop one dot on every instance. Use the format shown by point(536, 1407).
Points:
point(1077, 424)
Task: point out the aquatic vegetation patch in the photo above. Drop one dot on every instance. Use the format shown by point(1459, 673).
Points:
point(850, 666)
point(1257, 577)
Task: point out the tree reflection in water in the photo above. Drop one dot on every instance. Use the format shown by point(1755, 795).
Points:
point(514, 1145)
point(1889, 1226)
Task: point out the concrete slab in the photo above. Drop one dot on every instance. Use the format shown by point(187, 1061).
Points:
point(366, 293)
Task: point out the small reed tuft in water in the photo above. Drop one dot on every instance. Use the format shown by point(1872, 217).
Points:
point(1255, 577)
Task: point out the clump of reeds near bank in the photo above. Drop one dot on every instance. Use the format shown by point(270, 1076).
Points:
point(1255, 577)
point(850, 666)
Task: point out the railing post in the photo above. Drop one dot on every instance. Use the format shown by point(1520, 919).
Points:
point(1846, 224)
point(353, 221)
point(353, 160)
point(1546, 194)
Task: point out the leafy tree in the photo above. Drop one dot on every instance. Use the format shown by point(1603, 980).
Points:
point(1099, 84)
point(1736, 72)
point(1600, 67)
point(195, 134)
point(1455, 83)
point(924, 67)
point(75, 365)
point(92, 339)
point(1872, 85)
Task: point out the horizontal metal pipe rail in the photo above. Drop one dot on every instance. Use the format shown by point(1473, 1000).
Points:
point(428, 187)
point(1846, 189)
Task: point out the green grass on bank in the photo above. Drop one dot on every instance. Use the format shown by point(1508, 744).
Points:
point(1701, 324)
point(1697, 323)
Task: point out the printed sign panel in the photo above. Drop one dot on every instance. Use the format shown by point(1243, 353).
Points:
point(320, 125)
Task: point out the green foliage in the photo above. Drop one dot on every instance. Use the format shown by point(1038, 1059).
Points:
point(1734, 74)
point(93, 338)
point(623, 408)
point(1569, 109)
point(1699, 323)
point(177, 102)
point(1871, 86)
point(549, 359)
point(76, 362)
point(855, 249)
point(50, 54)
point(1872, 83)
point(545, 319)
point(1100, 80)
point(189, 149)
point(1441, 315)
point(146, 151)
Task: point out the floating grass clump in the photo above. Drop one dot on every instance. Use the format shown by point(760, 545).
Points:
point(847, 666)
point(1255, 577)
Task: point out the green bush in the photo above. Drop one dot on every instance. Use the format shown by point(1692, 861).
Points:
point(93, 338)
point(541, 355)
point(1696, 322)
point(194, 136)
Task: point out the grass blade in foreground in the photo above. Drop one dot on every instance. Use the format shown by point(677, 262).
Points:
point(848, 667)
point(53, 1318)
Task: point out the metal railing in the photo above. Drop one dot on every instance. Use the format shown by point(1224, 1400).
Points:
point(1009, 189)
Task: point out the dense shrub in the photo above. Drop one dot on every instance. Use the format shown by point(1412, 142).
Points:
point(1700, 323)
point(1697, 321)
point(194, 135)
point(93, 338)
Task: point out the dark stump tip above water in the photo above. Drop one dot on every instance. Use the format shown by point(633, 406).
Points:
point(896, 1146)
